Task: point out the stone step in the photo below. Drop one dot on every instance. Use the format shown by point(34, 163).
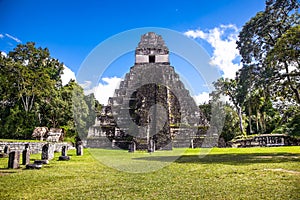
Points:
point(40, 162)
point(34, 166)
point(64, 158)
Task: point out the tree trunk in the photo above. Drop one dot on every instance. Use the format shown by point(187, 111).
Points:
point(264, 122)
point(240, 119)
point(250, 113)
point(257, 121)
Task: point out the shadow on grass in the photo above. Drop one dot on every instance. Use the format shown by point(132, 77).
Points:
point(6, 171)
point(232, 159)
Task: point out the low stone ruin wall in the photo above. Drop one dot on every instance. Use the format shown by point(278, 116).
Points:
point(35, 147)
point(101, 142)
point(267, 140)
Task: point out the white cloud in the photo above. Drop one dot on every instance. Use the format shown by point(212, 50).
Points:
point(201, 98)
point(3, 54)
point(106, 89)
point(67, 75)
point(86, 86)
point(223, 41)
point(195, 34)
point(13, 38)
point(1, 36)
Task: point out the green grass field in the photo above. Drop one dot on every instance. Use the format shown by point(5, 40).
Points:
point(229, 173)
point(15, 140)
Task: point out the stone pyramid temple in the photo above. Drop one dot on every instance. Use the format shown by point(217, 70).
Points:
point(151, 109)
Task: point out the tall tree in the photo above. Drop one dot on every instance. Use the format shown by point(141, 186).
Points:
point(260, 35)
point(34, 73)
point(80, 110)
point(269, 46)
point(230, 88)
point(284, 60)
point(29, 76)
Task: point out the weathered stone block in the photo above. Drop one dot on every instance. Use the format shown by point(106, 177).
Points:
point(14, 160)
point(48, 152)
point(6, 149)
point(132, 147)
point(3, 155)
point(40, 162)
point(79, 150)
point(25, 157)
point(34, 166)
point(64, 158)
point(64, 151)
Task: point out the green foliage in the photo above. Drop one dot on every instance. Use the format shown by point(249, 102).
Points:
point(231, 124)
point(94, 109)
point(290, 124)
point(266, 90)
point(33, 74)
point(230, 128)
point(269, 46)
point(19, 124)
point(206, 110)
point(230, 88)
point(70, 132)
point(29, 77)
point(80, 111)
point(283, 60)
point(31, 94)
point(18, 140)
point(294, 125)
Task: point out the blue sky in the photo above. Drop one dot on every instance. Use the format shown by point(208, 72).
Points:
point(72, 29)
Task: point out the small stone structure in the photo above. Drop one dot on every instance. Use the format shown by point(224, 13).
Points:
point(52, 135)
point(55, 135)
point(64, 151)
point(26, 155)
point(34, 147)
point(40, 133)
point(266, 140)
point(37, 164)
point(79, 150)
point(14, 160)
point(41, 162)
point(132, 147)
point(5, 152)
point(79, 146)
point(34, 166)
point(3, 155)
point(48, 152)
point(64, 158)
point(6, 149)
point(64, 155)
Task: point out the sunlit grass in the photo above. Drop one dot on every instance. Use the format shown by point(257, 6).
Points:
point(244, 173)
point(15, 140)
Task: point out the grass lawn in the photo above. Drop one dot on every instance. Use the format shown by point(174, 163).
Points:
point(229, 173)
point(14, 140)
